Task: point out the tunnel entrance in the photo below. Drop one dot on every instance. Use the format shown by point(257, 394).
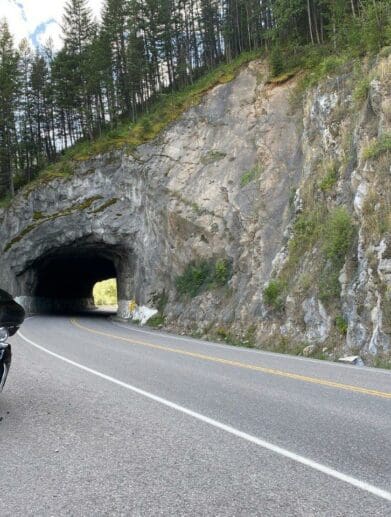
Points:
point(62, 281)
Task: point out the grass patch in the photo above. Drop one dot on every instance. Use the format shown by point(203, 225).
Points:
point(378, 147)
point(158, 320)
point(330, 178)
point(328, 66)
point(250, 175)
point(203, 275)
point(282, 78)
point(382, 362)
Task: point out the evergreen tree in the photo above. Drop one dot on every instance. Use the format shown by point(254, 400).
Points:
point(79, 30)
point(115, 22)
point(8, 106)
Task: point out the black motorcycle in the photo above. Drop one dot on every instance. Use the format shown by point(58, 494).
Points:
point(11, 317)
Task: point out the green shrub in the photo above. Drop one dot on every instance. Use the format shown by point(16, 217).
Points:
point(203, 275)
point(332, 235)
point(194, 279)
point(338, 235)
point(221, 272)
point(329, 180)
point(306, 230)
point(276, 61)
point(273, 294)
point(341, 324)
point(331, 64)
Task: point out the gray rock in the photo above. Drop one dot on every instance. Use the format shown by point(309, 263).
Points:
point(318, 323)
point(228, 179)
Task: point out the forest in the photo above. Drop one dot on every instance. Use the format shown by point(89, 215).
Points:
point(114, 70)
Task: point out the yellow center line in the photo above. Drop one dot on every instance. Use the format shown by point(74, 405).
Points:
point(238, 364)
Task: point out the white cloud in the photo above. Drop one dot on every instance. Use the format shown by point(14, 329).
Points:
point(25, 16)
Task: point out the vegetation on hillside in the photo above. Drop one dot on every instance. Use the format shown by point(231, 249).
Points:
point(105, 292)
point(120, 81)
point(202, 276)
point(332, 233)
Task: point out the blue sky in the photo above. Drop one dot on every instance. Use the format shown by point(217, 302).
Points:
point(38, 20)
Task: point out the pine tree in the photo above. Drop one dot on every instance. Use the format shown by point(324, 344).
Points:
point(115, 22)
point(79, 30)
point(8, 106)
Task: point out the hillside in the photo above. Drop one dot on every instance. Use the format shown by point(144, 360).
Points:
point(262, 216)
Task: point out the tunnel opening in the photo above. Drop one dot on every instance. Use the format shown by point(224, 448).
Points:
point(63, 280)
point(105, 294)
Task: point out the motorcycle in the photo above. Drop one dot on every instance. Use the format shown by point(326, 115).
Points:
point(11, 317)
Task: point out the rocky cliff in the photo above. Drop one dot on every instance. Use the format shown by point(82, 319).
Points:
point(281, 197)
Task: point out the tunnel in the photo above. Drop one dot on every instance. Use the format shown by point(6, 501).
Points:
point(62, 280)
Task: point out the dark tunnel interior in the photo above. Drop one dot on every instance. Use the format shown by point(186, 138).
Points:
point(65, 278)
point(72, 277)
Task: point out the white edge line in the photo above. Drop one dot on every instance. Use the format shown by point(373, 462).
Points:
point(319, 362)
point(224, 427)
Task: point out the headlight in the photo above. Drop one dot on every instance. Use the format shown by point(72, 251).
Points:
point(4, 335)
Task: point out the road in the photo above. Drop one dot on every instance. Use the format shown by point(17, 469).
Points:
point(101, 418)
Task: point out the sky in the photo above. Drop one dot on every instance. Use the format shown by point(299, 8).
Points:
point(38, 20)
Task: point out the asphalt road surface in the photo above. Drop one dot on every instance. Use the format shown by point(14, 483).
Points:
point(99, 418)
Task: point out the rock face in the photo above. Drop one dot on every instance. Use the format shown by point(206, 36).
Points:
point(230, 180)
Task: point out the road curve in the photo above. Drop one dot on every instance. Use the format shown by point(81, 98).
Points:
point(101, 418)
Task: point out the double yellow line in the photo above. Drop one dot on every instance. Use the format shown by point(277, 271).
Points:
point(238, 364)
